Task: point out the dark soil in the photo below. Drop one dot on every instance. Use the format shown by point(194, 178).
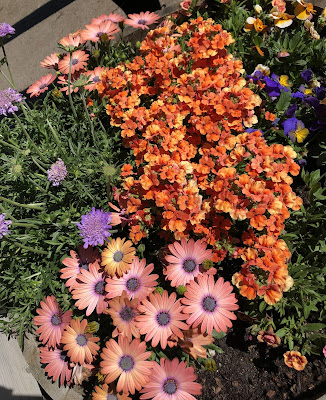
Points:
point(249, 370)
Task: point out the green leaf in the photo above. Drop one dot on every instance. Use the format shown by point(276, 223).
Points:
point(284, 101)
point(218, 335)
point(281, 332)
point(313, 327)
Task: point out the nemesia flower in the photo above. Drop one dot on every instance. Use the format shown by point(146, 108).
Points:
point(311, 29)
point(142, 20)
point(77, 262)
point(185, 260)
point(294, 359)
point(94, 78)
point(123, 313)
point(116, 18)
point(280, 5)
point(282, 54)
point(6, 29)
point(269, 337)
point(281, 19)
point(193, 342)
point(81, 346)
point(127, 361)
point(81, 373)
point(51, 62)
point(106, 393)
point(94, 227)
point(58, 364)
point(171, 380)
point(57, 172)
point(263, 69)
point(303, 10)
point(295, 129)
point(79, 61)
point(138, 282)
point(118, 256)
point(161, 317)
point(104, 31)
point(272, 293)
point(254, 23)
point(4, 226)
point(89, 290)
point(51, 321)
point(258, 9)
point(8, 98)
point(41, 86)
point(209, 304)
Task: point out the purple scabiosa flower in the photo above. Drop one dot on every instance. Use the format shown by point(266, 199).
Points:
point(57, 172)
point(7, 99)
point(4, 226)
point(306, 75)
point(94, 227)
point(6, 29)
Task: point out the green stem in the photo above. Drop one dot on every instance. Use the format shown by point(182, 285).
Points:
point(38, 165)
point(11, 145)
point(29, 139)
point(69, 91)
point(22, 246)
point(7, 214)
point(35, 206)
point(23, 224)
point(101, 125)
point(41, 189)
point(56, 138)
point(5, 55)
point(95, 138)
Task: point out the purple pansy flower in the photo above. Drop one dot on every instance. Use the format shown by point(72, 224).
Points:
point(294, 128)
point(290, 112)
point(4, 226)
point(250, 130)
point(306, 75)
point(7, 99)
point(57, 172)
point(6, 29)
point(94, 227)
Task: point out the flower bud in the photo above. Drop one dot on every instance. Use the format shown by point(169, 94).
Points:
point(96, 54)
point(258, 8)
point(138, 44)
point(181, 290)
point(159, 290)
point(109, 170)
point(210, 365)
point(207, 264)
point(141, 248)
point(92, 327)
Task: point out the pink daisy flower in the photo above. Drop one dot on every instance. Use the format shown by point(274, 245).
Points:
point(162, 316)
point(184, 263)
point(79, 61)
point(50, 62)
point(137, 282)
point(72, 41)
point(171, 380)
point(58, 364)
point(77, 262)
point(51, 321)
point(41, 86)
point(127, 361)
point(94, 32)
point(94, 78)
point(63, 80)
point(142, 20)
point(209, 303)
point(115, 18)
point(89, 290)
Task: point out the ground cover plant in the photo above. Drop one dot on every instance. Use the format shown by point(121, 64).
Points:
point(160, 191)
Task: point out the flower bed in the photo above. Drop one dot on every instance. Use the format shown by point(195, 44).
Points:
point(173, 162)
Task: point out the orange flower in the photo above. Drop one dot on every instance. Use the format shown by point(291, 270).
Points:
point(272, 293)
point(269, 337)
point(294, 359)
point(269, 116)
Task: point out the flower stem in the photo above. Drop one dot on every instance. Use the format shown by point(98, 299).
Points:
point(95, 138)
point(35, 206)
point(57, 140)
point(11, 145)
point(6, 59)
point(29, 139)
point(69, 89)
point(7, 213)
point(22, 246)
point(24, 225)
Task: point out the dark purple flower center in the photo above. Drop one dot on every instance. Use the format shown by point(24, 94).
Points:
point(96, 79)
point(209, 304)
point(99, 34)
point(84, 266)
point(132, 284)
point(42, 85)
point(127, 313)
point(163, 318)
point(170, 386)
point(99, 287)
point(63, 356)
point(56, 319)
point(111, 397)
point(74, 61)
point(118, 256)
point(126, 363)
point(142, 22)
point(81, 340)
point(189, 265)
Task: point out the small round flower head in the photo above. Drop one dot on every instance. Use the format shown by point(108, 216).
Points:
point(6, 29)
point(4, 226)
point(57, 172)
point(94, 227)
point(7, 99)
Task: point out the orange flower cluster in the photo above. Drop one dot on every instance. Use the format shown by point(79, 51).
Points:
point(183, 106)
